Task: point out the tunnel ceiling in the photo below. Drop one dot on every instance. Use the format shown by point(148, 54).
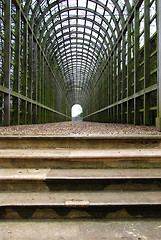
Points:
point(78, 35)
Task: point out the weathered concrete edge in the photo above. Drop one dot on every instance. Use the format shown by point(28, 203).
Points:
point(90, 204)
point(81, 136)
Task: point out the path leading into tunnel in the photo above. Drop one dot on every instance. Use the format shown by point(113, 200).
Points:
point(78, 127)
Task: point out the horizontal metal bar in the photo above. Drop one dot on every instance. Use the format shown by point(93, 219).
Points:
point(138, 94)
point(20, 96)
point(16, 2)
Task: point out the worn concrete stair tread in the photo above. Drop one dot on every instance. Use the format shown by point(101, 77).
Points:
point(80, 153)
point(68, 199)
point(74, 174)
point(80, 136)
point(81, 230)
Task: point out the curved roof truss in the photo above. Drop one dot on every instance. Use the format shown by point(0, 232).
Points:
point(78, 36)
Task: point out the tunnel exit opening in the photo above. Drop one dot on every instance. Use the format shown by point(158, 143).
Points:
point(77, 112)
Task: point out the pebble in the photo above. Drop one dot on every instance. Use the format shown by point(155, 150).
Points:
point(78, 127)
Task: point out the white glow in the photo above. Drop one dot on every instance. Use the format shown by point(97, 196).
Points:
point(76, 110)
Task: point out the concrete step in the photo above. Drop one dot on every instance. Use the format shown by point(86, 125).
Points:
point(81, 199)
point(80, 185)
point(94, 141)
point(72, 205)
point(81, 230)
point(81, 158)
point(81, 154)
point(17, 174)
point(29, 180)
point(98, 177)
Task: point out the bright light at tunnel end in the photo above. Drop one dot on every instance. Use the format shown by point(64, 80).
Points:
point(76, 110)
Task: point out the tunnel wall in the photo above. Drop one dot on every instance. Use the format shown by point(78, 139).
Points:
point(29, 87)
point(126, 89)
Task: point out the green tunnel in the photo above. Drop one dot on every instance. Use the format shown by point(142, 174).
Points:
point(102, 54)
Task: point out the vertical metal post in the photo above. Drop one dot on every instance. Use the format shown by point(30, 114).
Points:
point(129, 109)
point(39, 85)
point(111, 88)
point(110, 84)
point(119, 83)
point(54, 98)
point(50, 96)
point(114, 86)
point(42, 90)
point(47, 96)
point(7, 47)
point(146, 62)
point(136, 63)
point(17, 67)
point(30, 77)
point(45, 91)
point(108, 88)
point(106, 93)
point(158, 119)
point(35, 82)
point(123, 119)
point(24, 78)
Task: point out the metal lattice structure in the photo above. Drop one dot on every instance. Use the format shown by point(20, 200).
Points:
point(101, 54)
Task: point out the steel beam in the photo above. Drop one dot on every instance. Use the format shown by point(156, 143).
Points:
point(146, 61)
point(24, 77)
point(35, 89)
point(7, 45)
point(30, 83)
point(39, 84)
point(136, 64)
point(16, 86)
point(15, 94)
point(133, 96)
point(129, 82)
point(124, 85)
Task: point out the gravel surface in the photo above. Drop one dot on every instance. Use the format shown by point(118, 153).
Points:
point(79, 128)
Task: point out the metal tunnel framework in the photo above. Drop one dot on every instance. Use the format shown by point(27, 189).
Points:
point(101, 54)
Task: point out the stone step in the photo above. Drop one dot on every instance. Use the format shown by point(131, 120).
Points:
point(94, 141)
point(80, 158)
point(30, 180)
point(81, 154)
point(99, 177)
point(72, 205)
point(106, 212)
point(81, 229)
point(81, 199)
point(17, 174)
point(80, 185)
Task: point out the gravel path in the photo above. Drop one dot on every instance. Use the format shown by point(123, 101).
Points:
point(79, 128)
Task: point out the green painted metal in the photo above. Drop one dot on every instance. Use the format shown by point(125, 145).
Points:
point(136, 64)
point(146, 61)
point(16, 86)
point(136, 104)
point(21, 103)
point(158, 120)
point(101, 54)
point(7, 43)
